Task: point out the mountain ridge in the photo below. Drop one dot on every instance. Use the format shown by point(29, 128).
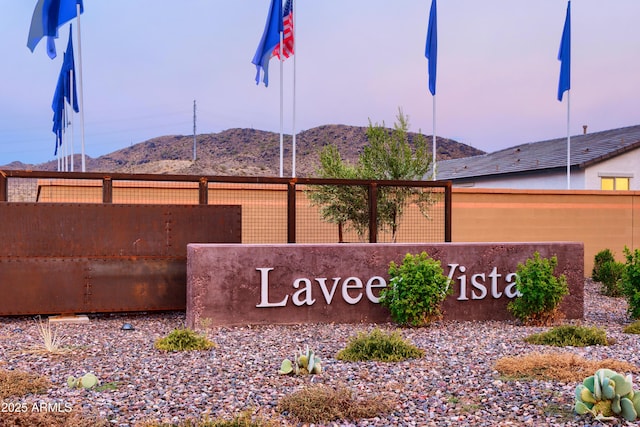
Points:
point(240, 151)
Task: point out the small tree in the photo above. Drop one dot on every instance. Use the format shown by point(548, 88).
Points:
point(390, 155)
point(344, 205)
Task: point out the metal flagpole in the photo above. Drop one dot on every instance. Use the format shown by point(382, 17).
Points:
point(70, 119)
point(80, 96)
point(63, 148)
point(433, 143)
point(295, 54)
point(281, 112)
point(568, 140)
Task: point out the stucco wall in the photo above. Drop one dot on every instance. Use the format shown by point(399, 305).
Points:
point(599, 219)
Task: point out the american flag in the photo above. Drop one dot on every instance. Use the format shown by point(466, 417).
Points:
point(287, 38)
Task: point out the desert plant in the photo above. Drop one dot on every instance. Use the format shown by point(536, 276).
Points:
point(86, 381)
point(321, 403)
point(633, 328)
point(607, 394)
point(610, 278)
point(51, 342)
point(305, 362)
point(601, 258)
point(416, 290)
point(183, 340)
point(380, 346)
point(631, 281)
point(570, 335)
point(539, 291)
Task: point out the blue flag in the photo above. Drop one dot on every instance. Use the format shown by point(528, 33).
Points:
point(564, 55)
point(270, 39)
point(65, 88)
point(48, 16)
point(431, 49)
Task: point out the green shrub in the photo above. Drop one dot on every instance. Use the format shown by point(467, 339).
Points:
point(631, 281)
point(601, 257)
point(633, 328)
point(610, 278)
point(416, 290)
point(380, 346)
point(183, 340)
point(570, 335)
point(539, 291)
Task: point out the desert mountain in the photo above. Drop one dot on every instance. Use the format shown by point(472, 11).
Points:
point(247, 152)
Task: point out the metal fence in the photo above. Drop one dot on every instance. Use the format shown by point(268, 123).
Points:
point(274, 210)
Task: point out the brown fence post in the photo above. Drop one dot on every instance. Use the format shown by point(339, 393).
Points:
point(203, 191)
point(372, 194)
point(107, 190)
point(3, 187)
point(291, 211)
point(447, 211)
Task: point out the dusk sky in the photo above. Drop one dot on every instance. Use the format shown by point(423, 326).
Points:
point(145, 61)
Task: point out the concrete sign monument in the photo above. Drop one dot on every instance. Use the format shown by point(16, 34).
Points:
point(237, 284)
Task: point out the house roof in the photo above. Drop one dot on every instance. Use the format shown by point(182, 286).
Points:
point(535, 156)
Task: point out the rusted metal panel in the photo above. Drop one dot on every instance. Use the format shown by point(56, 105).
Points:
point(85, 258)
point(105, 230)
point(136, 284)
point(41, 286)
point(90, 285)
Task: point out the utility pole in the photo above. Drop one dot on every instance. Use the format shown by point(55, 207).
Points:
point(194, 130)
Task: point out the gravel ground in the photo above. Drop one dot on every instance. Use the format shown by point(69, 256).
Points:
point(453, 385)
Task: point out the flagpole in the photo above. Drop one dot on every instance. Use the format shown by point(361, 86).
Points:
point(434, 139)
point(295, 54)
point(70, 119)
point(80, 91)
point(63, 148)
point(281, 106)
point(431, 53)
point(568, 140)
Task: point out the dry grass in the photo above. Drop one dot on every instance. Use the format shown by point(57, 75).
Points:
point(563, 367)
point(244, 419)
point(50, 419)
point(50, 341)
point(18, 383)
point(320, 403)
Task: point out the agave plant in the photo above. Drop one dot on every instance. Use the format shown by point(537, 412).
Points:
point(608, 394)
point(88, 380)
point(304, 362)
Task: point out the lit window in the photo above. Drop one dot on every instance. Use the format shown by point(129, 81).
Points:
point(622, 183)
point(607, 184)
point(614, 183)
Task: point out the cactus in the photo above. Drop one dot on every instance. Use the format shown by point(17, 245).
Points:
point(607, 394)
point(305, 362)
point(86, 381)
point(286, 367)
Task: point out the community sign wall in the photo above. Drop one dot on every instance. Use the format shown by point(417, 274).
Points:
point(240, 284)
